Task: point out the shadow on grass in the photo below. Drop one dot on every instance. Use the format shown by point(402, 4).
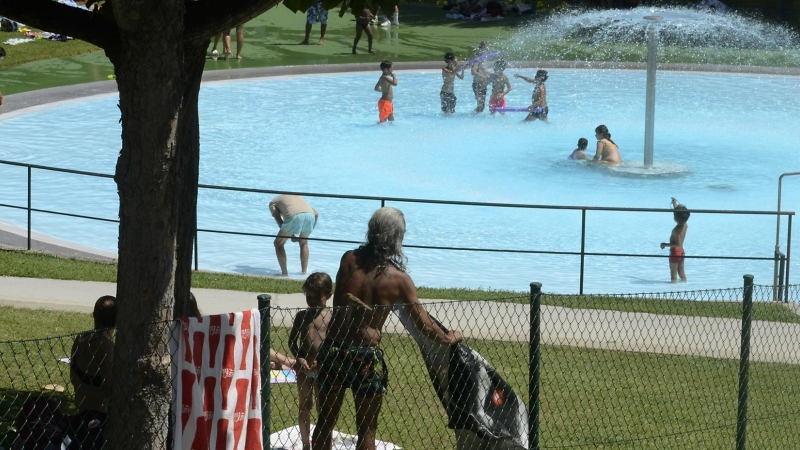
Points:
point(11, 403)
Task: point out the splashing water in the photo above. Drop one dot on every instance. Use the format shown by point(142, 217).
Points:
point(608, 35)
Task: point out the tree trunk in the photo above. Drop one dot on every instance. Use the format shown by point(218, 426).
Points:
point(156, 175)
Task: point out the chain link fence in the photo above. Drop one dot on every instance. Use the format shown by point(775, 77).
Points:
point(647, 371)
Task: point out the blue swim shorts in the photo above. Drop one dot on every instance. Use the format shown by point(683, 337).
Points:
point(317, 14)
point(299, 223)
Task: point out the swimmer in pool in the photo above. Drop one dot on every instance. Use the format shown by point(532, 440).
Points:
point(579, 153)
point(607, 150)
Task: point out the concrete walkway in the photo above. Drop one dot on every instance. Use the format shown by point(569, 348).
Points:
point(588, 328)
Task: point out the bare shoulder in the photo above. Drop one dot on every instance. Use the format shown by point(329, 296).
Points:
point(348, 258)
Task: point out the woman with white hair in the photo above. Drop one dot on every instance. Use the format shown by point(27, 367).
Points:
point(372, 279)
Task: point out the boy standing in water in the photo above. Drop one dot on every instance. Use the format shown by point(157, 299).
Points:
point(384, 86)
point(309, 330)
point(675, 244)
point(480, 78)
point(449, 74)
point(499, 82)
point(538, 108)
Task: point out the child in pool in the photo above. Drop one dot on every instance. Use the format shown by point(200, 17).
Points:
point(578, 153)
point(538, 109)
point(675, 244)
point(501, 86)
point(384, 86)
point(449, 74)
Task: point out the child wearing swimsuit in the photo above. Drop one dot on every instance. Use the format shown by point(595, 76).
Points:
point(675, 244)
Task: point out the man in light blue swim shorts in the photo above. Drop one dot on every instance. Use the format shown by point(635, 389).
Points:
point(297, 220)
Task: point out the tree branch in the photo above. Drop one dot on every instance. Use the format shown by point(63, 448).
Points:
point(51, 16)
point(207, 18)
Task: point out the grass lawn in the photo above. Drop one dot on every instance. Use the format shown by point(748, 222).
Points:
point(424, 34)
point(40, 49)
point(590, 398)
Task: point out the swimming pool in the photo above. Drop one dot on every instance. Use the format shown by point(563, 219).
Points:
point(728, 137)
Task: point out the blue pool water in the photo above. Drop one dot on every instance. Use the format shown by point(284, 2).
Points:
point(722, 141)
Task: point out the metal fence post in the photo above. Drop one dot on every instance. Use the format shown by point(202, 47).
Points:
point(788, 258)
point(264, 309)
point(29, 207)
point(534, 366)
point(197, 252)
point(744, 363)
point(583, 247)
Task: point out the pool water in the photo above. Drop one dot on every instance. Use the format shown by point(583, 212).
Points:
point(721, 142)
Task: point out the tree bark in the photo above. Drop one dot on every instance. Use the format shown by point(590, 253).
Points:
point(158, 84)
point(158, 52)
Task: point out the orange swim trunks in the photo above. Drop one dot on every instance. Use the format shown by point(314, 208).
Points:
point(676, 255)
point(385, 109)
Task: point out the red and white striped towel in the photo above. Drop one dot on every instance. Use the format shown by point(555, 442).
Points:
point(217, 386)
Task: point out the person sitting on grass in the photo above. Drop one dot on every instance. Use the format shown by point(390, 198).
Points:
point(91, 361)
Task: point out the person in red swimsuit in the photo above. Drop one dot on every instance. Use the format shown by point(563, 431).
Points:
point(675, 244)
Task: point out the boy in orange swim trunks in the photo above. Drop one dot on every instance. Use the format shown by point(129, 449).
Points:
point(675, 244)
point(384, 86)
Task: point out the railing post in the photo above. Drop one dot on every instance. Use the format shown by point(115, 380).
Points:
point(782, 266)
point(534, 365)
point(788, 259)
point(29, 207)
point(583, 247)
point(744, 363)
point(265, 369)
point(383, 203)
point(196, 252)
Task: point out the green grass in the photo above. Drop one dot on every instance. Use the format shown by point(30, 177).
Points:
point(16, 263)
point(40, 49)
point(590, 397)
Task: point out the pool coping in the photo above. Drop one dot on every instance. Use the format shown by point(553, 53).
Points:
point(16, 103)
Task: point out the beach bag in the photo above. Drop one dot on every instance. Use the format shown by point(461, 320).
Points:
point(40, 425)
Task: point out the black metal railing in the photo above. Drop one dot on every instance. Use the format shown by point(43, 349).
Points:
point(780, 259)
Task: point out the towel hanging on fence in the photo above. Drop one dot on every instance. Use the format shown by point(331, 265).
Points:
point(217, 384)
point(482, 408)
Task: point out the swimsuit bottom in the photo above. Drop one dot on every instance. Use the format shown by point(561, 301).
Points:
point(360, 368)
point(676, 255)
point(479, 89)
point(448, 101)
point(495, 102)
point(540, 113)
point(385, 109)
